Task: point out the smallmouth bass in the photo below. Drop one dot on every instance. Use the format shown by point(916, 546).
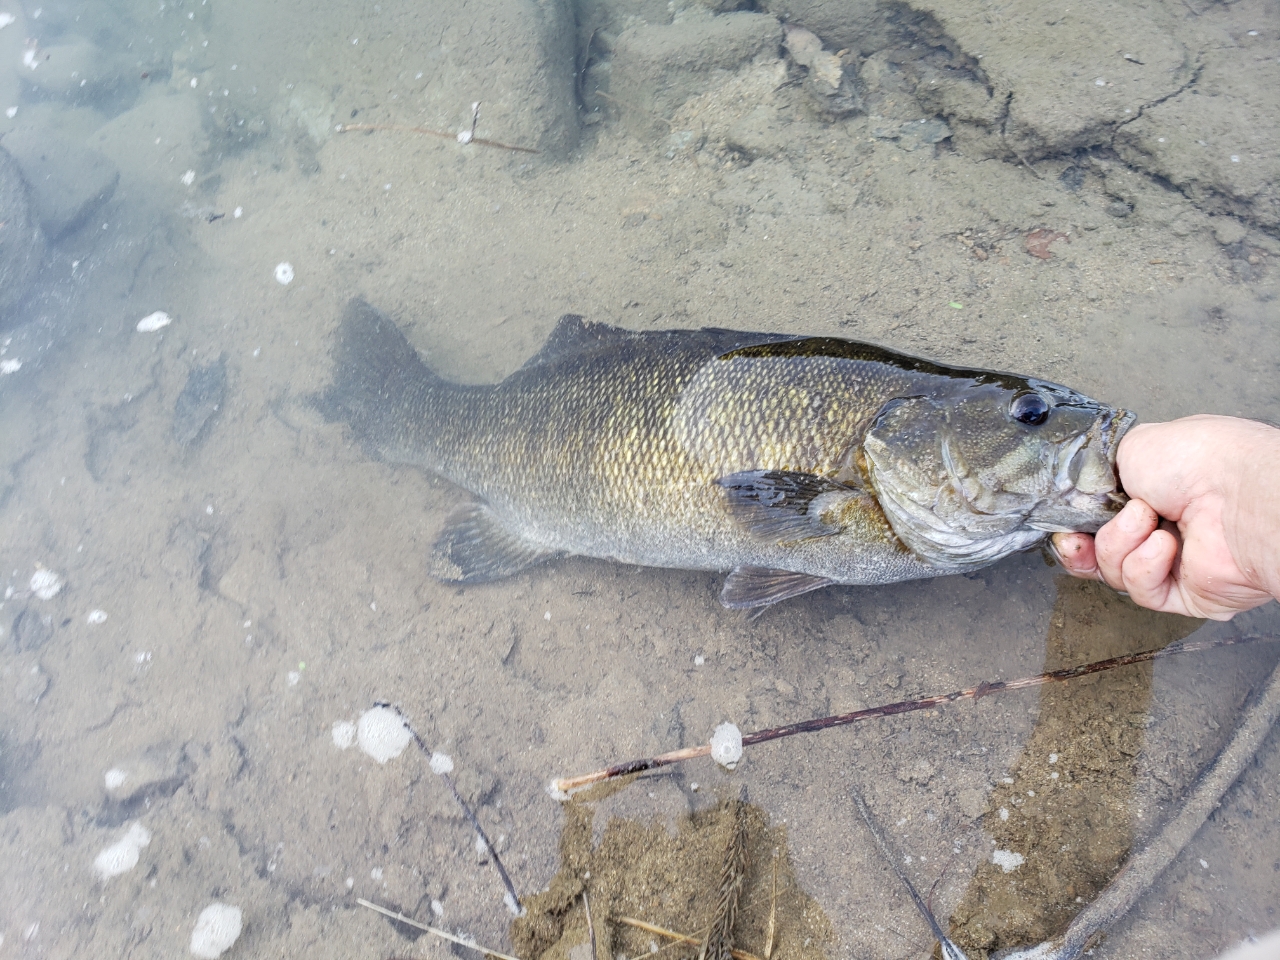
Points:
point(790, 462)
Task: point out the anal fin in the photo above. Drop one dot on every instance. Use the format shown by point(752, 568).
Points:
point(754, 588)
point(476, 548)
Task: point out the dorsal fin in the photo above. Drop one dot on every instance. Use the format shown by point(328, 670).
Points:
point(574, 335)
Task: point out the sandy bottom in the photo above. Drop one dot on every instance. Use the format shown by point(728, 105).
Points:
point(264, 581)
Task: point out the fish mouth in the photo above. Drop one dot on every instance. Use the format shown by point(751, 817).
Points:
point(1086, 482)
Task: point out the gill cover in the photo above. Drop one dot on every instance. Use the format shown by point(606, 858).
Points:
point(987, 469)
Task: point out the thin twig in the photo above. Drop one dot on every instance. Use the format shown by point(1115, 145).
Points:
point(591, 929)
point(678, 937)
point(512, 899)
point(949, 950)
point(434, 931)
point(564, 786)
point(397, 128)
point(1034, 172)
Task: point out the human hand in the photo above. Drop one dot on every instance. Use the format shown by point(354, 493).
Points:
point(1201, 535)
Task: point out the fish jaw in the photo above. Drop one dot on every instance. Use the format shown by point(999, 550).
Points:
point(1087, 488)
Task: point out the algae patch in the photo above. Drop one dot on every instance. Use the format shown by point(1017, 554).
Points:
point(672, 880)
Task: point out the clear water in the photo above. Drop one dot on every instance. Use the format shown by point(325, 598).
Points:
point(263, 580)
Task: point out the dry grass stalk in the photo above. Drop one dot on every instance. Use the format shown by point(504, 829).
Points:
point(434, 931)
point(444, 134)
point(772, 928)
point(678, 937)
point(718, 944)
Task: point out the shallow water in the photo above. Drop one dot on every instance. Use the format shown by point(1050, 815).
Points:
point(264, 580)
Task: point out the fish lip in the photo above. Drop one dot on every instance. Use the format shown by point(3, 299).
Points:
point(1103, 440)
point(1111, 431)
point(1115, 425)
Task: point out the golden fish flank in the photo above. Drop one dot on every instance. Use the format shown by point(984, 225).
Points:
point(790, 462)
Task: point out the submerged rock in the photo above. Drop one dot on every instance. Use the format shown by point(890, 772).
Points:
point(200, 399)
point(657, 68)
point(68, 181)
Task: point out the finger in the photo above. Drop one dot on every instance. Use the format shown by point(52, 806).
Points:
point(1147, 574)
point(1076, 554)
point(1122, 535)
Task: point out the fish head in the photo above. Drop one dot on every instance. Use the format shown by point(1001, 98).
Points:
point(987, 466)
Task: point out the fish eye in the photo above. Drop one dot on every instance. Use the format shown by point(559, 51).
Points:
point(1029, 408)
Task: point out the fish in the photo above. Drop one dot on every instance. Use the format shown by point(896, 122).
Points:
point(789, 462)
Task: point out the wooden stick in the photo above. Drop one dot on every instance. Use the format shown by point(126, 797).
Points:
point(563, 787)
point(397, 128)
point(434, 931)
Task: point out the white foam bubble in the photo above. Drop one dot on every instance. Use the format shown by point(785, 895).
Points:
point(344, 734)
point(122, 856)
point(45, 584)
point(441, 763)
point(382, 733)
point(154, 321)
point(217, 928)
point(726, 745)
point(284, 273)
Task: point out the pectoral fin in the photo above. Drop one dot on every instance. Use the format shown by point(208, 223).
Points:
point(786, 507)
point(754, 588)
point(476, 548)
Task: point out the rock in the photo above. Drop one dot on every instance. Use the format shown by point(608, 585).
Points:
point(154, 143)
point(1216, 141)
point(863, 26)
point(517, 58)
point(658, 68)
point(21, 240)
point(32, 628)
point(199, 401)
point(76, 70)
point(68, 182)
point(1042, 79)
